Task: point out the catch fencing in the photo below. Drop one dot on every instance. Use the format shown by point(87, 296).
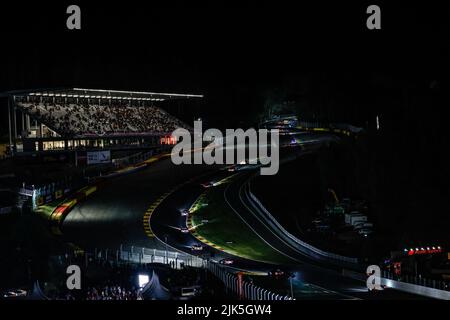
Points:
point(244, 290)
point(417, 280)
point(139, 255)
point(177, 260)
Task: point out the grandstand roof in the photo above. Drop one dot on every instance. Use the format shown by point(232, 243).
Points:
point(100, 94)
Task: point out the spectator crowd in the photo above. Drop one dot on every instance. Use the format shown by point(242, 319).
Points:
point(78, 119)
point(112, 292)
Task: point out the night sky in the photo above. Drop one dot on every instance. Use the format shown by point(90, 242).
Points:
point(232, 52)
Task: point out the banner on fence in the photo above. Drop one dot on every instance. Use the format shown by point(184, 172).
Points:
point(98, 157)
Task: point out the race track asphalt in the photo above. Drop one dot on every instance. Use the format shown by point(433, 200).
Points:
point(113, 215)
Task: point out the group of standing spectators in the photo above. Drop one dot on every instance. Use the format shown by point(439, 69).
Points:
point(78, 119)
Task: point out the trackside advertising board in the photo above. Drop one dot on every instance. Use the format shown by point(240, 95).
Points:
point(98, 157)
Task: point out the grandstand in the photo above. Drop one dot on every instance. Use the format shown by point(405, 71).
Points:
point(80, 119)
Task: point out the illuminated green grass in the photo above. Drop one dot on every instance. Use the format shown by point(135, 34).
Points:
point(226, 230)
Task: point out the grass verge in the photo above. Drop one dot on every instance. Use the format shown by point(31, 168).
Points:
point(216, 222)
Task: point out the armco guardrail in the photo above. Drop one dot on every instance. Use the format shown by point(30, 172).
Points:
point(416, 280)
point(299, 244)
point(416, 289)
point(240, 288)
point(343, 128)
point(420, 286)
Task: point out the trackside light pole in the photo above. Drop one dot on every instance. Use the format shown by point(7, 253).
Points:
point(292, 289)
point(9, 124)
point(167, 257)
point(14, 124)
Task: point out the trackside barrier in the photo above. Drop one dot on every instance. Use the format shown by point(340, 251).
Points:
point(416, 289)
point(431, 283)
point(132, 159)
point(341, 128)
point(139, 255)
point(318, 126)
point(138, 163)
point(421, 286)
point(301, 245)
point(242, 289)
